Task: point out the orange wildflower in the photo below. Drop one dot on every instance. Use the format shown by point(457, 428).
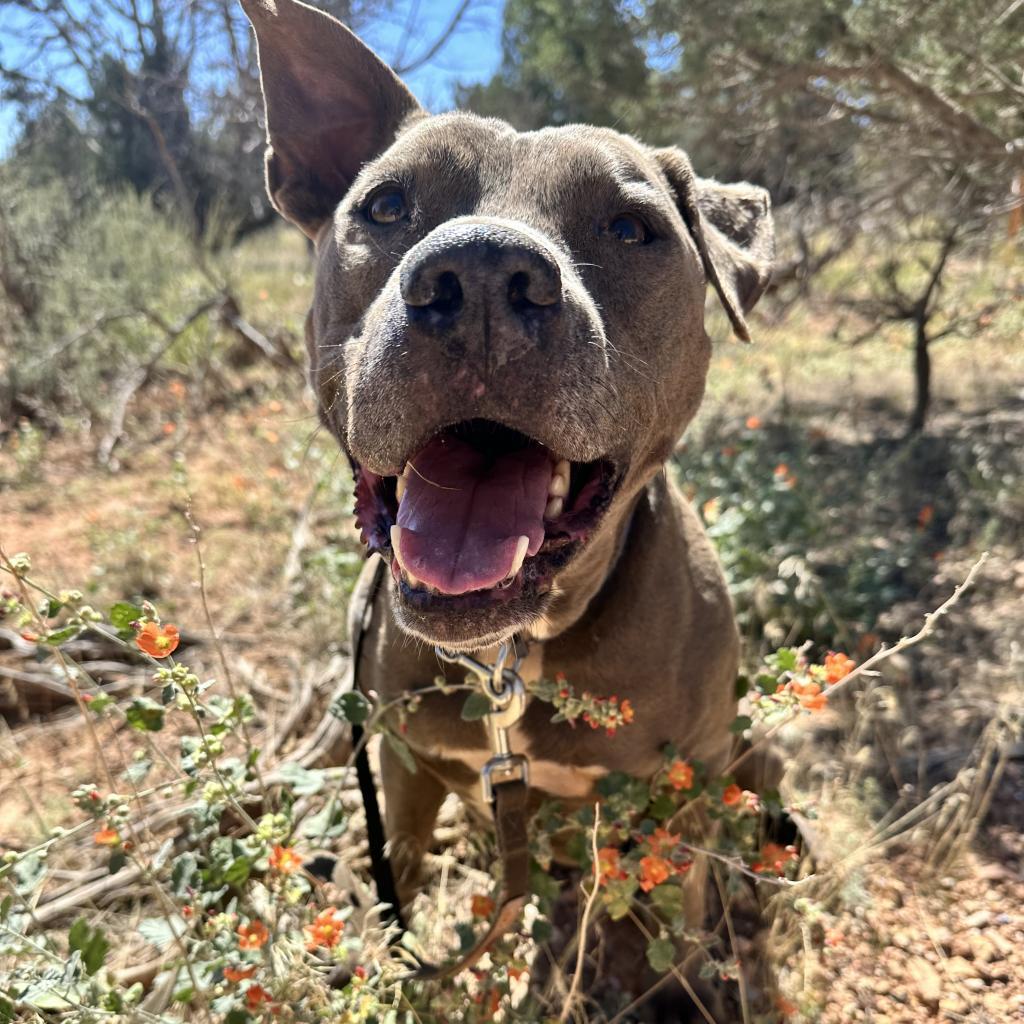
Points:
point(106, 836)
point(925, 516)
point(732, 795)
point(177, 389)
point(252, 935)
point(237, 974)
point(680, 775)
point(775, 858)
point(662, 841)
point(653, 871)
point(256, 996)
point(285, 859)
point(785, 1006)
point(627, 711)
point(326, 929)
point(753, 423)
point(783, 475)
point(811, 697)
point(837, 666)
point(609, 867)
point(157, 641)
point(834, 937)
point(482, 906)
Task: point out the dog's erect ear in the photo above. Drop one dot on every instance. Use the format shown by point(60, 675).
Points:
point(332, 104)
point(732, 228)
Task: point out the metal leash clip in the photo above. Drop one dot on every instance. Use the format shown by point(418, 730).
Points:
point(504, 688)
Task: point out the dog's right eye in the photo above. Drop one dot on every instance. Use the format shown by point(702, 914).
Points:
point(386, 206)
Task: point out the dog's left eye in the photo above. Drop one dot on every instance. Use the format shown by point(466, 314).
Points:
point(386, 206)
point(629, 229)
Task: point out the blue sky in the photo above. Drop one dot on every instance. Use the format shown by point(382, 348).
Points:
point(471, 55)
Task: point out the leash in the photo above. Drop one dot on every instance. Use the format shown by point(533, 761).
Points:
point(504, 780)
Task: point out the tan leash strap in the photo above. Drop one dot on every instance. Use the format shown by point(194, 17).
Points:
point(510, 822)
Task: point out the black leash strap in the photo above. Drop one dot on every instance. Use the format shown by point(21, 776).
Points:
point(380, 865)
point(383, 876)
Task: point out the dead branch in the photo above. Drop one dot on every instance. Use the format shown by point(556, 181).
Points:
point(141, 375)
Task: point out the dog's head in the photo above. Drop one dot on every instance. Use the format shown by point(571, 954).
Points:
point(507, 334)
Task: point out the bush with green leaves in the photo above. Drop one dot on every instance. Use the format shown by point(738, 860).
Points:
point(211, 844)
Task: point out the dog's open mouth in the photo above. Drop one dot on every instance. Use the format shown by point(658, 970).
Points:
point(481, 512)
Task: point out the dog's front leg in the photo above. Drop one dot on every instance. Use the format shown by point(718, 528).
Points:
point(412, 801)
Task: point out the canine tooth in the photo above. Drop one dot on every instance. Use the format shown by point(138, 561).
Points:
point(520, 557)
point(554, 508)
point(400, 487)
point(559, 486)
point(396, 545)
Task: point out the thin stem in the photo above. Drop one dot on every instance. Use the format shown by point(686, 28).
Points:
point(581, 949)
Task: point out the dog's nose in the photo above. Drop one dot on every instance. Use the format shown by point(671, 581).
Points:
point(463, 266)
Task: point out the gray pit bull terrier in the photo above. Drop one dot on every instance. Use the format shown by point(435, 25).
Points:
point(507, 339)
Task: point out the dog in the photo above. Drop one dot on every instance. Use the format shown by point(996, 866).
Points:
point(507, 338)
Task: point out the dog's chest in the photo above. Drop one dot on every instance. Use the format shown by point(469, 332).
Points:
point(556, 777)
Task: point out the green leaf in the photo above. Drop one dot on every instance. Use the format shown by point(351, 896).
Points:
point(477, 705)
point(118, 859)
point(28, 873)
point(668, 898)
point(661, 955)
point(60, 636)
point(352, 707)
point(541, 930)
point(145, 715)
point(301, 780)
point(327, 823)
point(785, 659)
point(6, 1011)
point(238, 871)
point(137, 771)
point(183, 873)
point(741, 723)
point(52, 607)
point(663, 806)
point(158, 932)
point(123, 614)
point(402, 751)
point(90, 942)
point(467, 937)
point(100, 702)
point(742, 687)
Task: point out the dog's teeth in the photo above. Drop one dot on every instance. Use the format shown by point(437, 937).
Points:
point(554, 508)
point(396, 545)
point(412, 580)
point(520, 556)
point(400, 487)
point(559, 486)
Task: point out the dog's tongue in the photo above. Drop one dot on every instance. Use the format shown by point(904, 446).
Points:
point(463, 513)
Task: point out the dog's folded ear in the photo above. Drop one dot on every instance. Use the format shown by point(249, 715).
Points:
point(732, 228)
point(332, 104)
